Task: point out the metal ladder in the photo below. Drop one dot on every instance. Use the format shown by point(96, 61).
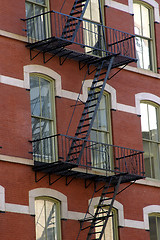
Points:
point(72, 24)
point(90, 109)
point(97, 222)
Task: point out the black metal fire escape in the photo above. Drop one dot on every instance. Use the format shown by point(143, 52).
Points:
point(90, 108)
point(72, 24)
point(120, 50)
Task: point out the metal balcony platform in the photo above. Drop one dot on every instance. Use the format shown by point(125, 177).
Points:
point(71, 170)
point(127, 162)
point(74, 38)
point(58, 47)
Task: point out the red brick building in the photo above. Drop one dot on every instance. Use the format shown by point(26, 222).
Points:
point(79, 103)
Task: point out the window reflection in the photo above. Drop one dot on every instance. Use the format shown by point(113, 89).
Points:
point(143, 38)
point(41, 100)
point(101, 133)
point(93, 34)
point(47, 219)
point(154, 227)
point(110, 232)
point(37, 27)
point(150, 134)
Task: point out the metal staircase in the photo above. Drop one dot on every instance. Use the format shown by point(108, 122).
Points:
point(119, 50)
point(72, 24)
point(97, 222)
point(90, 109)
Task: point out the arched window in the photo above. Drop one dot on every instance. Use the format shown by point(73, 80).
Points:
point(43, 115)
point(154, 226)
point(37, 28)
point(101, 133)
point(47, 219)
point(145, 40)
point(111, 229)
point(151, 138)
point(93, 31)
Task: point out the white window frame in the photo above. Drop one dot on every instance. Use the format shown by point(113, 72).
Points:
point(151, 40)
point(150, 141)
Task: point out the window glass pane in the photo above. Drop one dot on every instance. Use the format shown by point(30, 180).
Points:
point(110, 232)
point(35, 128)
point(144, 121)
point(139, 52)
point(137, 19)
point(35, 96)
point(153, 228)
point(40, 1)
point(40, 220)
point(153, 122)
point(101, 155)
point(46, 220)
point(46, 128)
point(92, 11)
point(154, 155)
point(51, 221)
point(102, 114)
point(145, 23)
point(158, 228)
point(87, 13)
point(39, 10)
point(46, 98)
point(147, 160)
point(29, 10)
point(150, 140)
point(146, 54)
point(142, 28)
point(95, 16)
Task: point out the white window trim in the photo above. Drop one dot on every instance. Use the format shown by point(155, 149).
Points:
point(117, 205)
point(73, 95)
point(47, 192)
point(129, 8)
point(145, 96)
point(2, 199)
point(148, 210)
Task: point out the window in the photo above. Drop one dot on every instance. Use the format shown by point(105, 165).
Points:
point(101, 133)
point(111, 230)
point(154, 226)
point(37, 28)
point(151, 141)
point(144, 30)
point(93, 30)
point(47, 219)
point(42, 112)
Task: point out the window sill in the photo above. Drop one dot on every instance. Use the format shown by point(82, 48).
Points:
point(142, 71)
point(13, 36)
point(149, 182)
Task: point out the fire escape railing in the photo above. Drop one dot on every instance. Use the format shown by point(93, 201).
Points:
point(96, 155)
point(90, 37)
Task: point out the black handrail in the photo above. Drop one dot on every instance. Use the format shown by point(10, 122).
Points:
point(96, 155)
point(52, 24)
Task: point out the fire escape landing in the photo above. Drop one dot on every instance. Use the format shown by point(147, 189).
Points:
point(70, 36)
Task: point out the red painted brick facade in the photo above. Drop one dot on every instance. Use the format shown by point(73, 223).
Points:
point(18, 178)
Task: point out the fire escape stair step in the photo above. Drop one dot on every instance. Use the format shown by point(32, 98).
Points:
point(85, 125)
point(90, 100)
point(75, 13)
point(80, 5)
point(93, 93)
point(88, 112)
point(68, 31)
point(98, 86)
point(86, 119)
point(78, 133)
point(90, 106)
